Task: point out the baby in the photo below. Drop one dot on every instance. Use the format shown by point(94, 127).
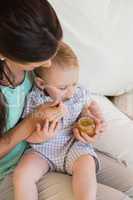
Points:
point(64, 147)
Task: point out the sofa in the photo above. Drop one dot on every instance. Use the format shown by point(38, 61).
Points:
point(100, 32)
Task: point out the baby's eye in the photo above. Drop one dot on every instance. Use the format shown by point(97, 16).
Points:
point(63, 88)
point(74, 84)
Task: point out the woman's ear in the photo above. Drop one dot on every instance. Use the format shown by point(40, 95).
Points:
point(39, 83)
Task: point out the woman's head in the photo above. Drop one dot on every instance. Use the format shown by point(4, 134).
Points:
point(29, 31)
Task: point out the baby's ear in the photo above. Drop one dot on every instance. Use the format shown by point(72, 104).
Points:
point(39, 83)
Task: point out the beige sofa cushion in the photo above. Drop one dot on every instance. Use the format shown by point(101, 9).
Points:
point(55, 186)
point(117, 141)
point(125, 103)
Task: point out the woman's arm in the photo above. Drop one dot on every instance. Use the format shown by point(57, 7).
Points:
point(15, 135)
point(20, 132)
point(27, 126)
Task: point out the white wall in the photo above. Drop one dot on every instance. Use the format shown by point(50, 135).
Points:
point(101, 32)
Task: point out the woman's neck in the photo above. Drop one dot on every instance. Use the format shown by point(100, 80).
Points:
point(15, 74)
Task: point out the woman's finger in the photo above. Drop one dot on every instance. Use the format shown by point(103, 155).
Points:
point(63, 108)
point(38, 127)
point(55, 117)
point(56, 129)
point(46, 126)
point(57, 126)
point(52, 126)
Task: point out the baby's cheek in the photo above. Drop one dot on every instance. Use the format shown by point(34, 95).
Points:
point(70, 93)
point(63, 95)
point(56, 94)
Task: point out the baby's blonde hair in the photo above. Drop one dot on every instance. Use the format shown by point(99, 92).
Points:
point(65, 58)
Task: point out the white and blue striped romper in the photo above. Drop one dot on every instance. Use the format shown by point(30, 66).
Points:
point(62, 150)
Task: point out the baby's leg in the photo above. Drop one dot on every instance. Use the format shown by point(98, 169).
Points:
point(81, 164)
point(84, 178)
point(30, 169)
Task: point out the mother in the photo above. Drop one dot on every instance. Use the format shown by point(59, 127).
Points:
point(29, 37)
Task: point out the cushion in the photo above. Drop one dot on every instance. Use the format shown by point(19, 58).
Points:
point(125, 103)
point(55, 186)
point(117, 140)
point(102, 36)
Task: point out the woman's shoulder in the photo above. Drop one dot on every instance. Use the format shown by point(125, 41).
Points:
point(25, 85)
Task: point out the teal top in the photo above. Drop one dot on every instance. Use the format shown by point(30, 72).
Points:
point(15, 98)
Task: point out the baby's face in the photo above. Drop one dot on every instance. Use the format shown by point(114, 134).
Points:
point(60, 83)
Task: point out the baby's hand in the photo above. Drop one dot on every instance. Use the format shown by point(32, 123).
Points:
point(83, 137)
point(45, 133)
point(91, 111)
point(94, 112)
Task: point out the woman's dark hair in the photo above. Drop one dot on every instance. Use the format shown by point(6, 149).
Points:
point(29, 32)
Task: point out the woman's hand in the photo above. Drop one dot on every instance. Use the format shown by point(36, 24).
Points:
point(50, 111)
point(45, 133)
point(92, 111)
